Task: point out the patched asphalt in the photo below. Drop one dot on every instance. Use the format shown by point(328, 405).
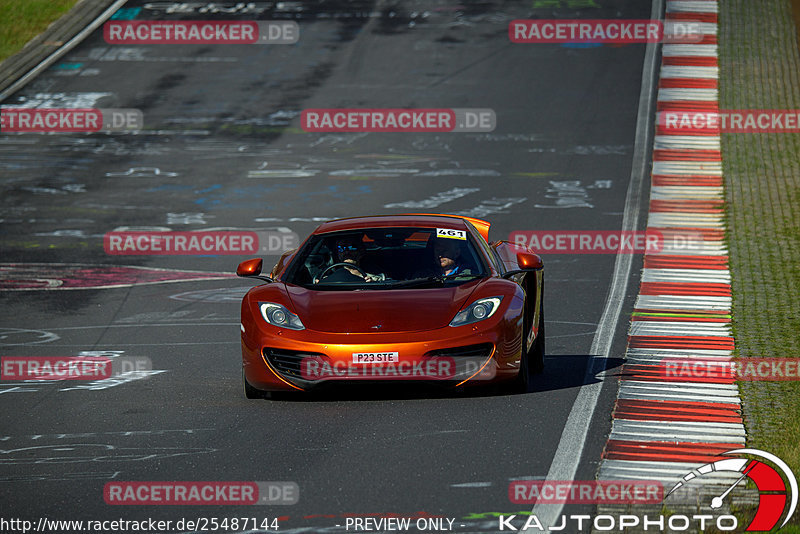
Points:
point(223, 148)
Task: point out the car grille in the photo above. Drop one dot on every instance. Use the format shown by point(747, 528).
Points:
point(483, 350)
point(467, 359)
point(287, 362)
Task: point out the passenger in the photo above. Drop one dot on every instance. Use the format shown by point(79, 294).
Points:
point(448, 256)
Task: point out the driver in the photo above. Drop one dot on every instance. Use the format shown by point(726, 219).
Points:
point(350, 249)
point(448, 253)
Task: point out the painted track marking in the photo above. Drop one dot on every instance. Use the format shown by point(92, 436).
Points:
point(573, 437)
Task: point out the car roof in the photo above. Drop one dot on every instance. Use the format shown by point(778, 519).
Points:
point(421, 220)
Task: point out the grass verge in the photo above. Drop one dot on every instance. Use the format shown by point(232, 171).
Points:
point(22, 20)
point(760, 69)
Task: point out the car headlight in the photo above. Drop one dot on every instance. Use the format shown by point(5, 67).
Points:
point(477, 311)
point(277, 315)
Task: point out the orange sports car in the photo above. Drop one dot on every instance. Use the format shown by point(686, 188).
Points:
point(419, 298)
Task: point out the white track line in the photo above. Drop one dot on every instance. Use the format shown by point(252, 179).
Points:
point(573, 437)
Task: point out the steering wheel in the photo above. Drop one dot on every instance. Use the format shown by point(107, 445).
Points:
point(343, 264)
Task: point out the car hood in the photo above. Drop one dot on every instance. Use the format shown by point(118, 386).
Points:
point(397, 310)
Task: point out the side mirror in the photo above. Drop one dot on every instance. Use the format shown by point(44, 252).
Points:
point(252, 269)
point(527, 262)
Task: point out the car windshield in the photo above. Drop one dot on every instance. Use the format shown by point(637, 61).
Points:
point(387, 258)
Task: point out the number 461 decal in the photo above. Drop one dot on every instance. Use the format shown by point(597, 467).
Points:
point(451, 234)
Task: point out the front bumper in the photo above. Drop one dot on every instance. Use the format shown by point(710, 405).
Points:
point(276, 360)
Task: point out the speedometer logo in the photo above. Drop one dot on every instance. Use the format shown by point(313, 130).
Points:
point(772, 489)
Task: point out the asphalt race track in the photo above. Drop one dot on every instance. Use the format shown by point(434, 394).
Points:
point(223, 147)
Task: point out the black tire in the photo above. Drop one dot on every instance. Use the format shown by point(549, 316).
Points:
point(522, 382)
point(536, 355)
point(532, 362)
point(249, 391)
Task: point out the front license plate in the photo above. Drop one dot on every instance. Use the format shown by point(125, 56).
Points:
point(376, 357)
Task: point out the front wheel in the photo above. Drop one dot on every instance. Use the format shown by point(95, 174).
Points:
point(522, 383)
point(532, 362)
point(536, 354)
